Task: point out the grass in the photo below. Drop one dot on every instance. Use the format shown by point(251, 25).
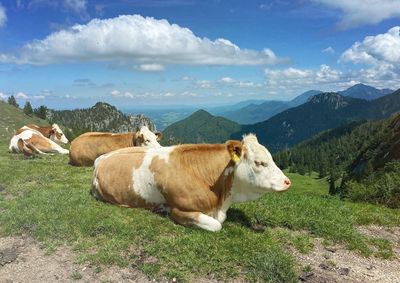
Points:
point(49, 200)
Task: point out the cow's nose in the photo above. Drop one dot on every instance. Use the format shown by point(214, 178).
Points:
point(287, 183)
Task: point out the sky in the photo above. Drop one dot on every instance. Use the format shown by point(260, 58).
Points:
point(147, 53)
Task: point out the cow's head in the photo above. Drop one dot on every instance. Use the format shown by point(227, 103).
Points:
point(255, 171)
point(145, 137)
point(57, 135)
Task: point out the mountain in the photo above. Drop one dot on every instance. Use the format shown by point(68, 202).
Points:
point(360, 159)
point(322, 112)
point(374, 176)
point(383, 149)
point(256, 112)
point(12, 118)
point(200, 127)
point(365, 92)
point(101, 117)
point(263, 110)
point(303, 98)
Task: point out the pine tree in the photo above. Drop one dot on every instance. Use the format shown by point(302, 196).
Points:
point(28, 108)
point(12, 101)
point(41, 112)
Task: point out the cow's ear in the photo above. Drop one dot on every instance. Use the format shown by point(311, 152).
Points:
point(235, 149)
point(51, 132)
point(159, 136)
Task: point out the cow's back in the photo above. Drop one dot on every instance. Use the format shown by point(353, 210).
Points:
point(87, 147)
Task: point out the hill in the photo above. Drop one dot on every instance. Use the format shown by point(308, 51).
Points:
point(322, 112)
point(101, 117)
point(12, 118)
point(365, 92)
point(201, 127)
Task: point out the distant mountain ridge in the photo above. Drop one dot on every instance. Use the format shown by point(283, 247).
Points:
point(257, 112)
point(252, 113)
point(322, 112)
point(101, 117)
point(366, 92)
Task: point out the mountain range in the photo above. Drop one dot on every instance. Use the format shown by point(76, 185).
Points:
point(285, 129)
point(252, 113)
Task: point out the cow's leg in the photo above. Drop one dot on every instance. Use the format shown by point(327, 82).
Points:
point(195, 218)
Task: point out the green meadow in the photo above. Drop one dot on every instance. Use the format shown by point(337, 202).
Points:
point(49, 200)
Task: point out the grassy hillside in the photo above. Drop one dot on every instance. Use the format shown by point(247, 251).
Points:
point(200, 127)
point(366, 154)
point(12, 118)
point(52, 204)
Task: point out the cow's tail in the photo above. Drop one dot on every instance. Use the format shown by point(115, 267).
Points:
point(27, 148)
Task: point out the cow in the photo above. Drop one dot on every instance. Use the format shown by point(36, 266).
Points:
point(196, 183)
point(52, 132)
point(87, 147)
point(32, 142)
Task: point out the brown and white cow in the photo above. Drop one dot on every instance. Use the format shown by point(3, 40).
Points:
point(197, 182)
point(87, 147)
point(52, 132)
point(31, 141)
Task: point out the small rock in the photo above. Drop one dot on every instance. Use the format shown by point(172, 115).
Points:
point(8, 256)
point(330, 249)
point(324, 266)
point(344, 271)
point(2, 188)
point(306, 276)
point(174, 279)
point(327, 256)
point(370, 267)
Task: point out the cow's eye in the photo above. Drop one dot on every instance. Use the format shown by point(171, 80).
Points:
point(260, 163)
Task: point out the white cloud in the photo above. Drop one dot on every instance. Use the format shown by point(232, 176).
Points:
point(204, 84)
point(38, 97)
point(77, 6)
point(3, 16)
point(381, 54)
point(361, 12)
point(373, 49)
point(21, 95)
point(169, 94)
point(329, 50)
point(227, 80)
point(3, 96)
point(133, 38)
point(151, 67)
point(117, 93)
point(186, 78)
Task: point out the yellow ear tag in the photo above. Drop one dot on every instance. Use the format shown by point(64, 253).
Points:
point(235, 158)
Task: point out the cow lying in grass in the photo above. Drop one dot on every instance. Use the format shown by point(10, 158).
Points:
point(52, 132)
point(87, 147)
point(31, 142)
point(197, 183)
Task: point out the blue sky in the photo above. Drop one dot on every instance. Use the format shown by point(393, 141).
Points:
point(72, 53)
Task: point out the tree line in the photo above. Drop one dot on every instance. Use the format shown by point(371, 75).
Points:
point(40, 112)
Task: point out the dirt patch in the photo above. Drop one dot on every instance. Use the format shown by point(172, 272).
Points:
point(389, 233)
point(21, 260)
point(337, 264)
